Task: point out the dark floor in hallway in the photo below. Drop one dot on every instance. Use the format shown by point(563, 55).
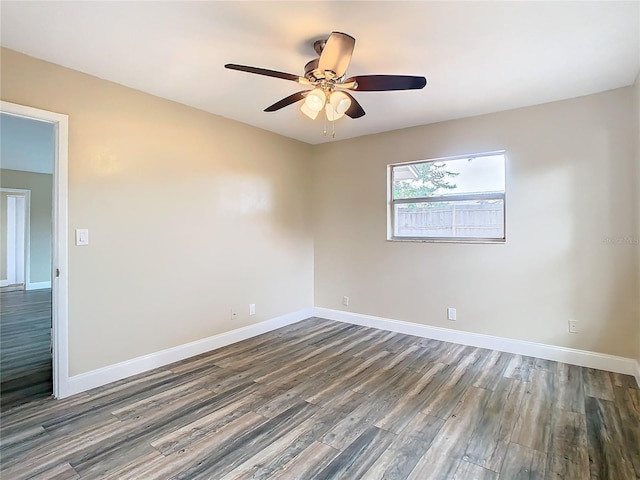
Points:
point(25, 358)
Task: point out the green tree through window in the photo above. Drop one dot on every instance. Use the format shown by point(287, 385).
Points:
point(431, 177)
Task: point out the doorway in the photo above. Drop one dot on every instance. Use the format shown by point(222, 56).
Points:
point(14, 241)
point(33, 208)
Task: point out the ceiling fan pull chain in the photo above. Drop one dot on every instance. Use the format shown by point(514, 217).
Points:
point(333, 127)
point(324, 132)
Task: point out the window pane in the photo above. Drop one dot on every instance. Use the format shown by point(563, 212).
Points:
point(456, 219)
point(449, 177)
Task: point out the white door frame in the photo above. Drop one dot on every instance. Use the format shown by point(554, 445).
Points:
point(59, 250)
point(24, 238)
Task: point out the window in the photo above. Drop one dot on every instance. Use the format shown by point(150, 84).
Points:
point(457, 199)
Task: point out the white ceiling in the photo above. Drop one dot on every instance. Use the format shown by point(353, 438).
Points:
point(478, 57)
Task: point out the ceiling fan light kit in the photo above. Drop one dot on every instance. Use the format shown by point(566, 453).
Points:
point(316, 99)
point(331, 114)
point(326, 75)
point(312, 114)
point(340, 102)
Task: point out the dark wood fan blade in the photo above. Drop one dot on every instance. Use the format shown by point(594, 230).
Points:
point(355, 110)
point(263, 71)
point(336, 54)
point(381, 83)
point(296, 97)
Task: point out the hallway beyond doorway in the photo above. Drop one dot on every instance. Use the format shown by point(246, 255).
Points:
point(25, 346)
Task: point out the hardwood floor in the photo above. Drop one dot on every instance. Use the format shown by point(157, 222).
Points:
point(325, 400)
point(25, 359)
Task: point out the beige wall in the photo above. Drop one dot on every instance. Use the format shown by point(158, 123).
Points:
point(40, 185)
point(636, 91)
point(570, 187)
point(189, 215)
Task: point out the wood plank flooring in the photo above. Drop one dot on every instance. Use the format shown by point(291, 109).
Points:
point(326, 400)
point(25, 359)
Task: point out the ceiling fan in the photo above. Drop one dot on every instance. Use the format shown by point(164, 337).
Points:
point(326, 75)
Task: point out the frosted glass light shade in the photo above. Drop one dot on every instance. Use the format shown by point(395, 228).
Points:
point(315, 99)
point(340, 102)
point(312, 114)
point(332, 115)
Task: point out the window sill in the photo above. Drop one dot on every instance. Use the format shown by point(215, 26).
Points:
point(448, 240)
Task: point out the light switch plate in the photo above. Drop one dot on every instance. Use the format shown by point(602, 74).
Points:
point(82, 236)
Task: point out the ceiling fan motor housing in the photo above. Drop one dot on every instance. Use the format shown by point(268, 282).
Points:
point(311, 71)
point(318, 45)
point(314, 74)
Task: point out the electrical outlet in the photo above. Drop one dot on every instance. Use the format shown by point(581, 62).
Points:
point(234, 314)
point(252, 309)
point(345, 301)
point(573, 326)
point(451, 314)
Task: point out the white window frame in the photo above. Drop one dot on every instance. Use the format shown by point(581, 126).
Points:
point(391, 202)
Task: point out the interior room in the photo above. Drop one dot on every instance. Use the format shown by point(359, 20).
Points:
point(437, 277)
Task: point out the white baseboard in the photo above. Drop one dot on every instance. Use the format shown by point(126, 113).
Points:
point(102, 376)
point(572, 356)
point(38, 285)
